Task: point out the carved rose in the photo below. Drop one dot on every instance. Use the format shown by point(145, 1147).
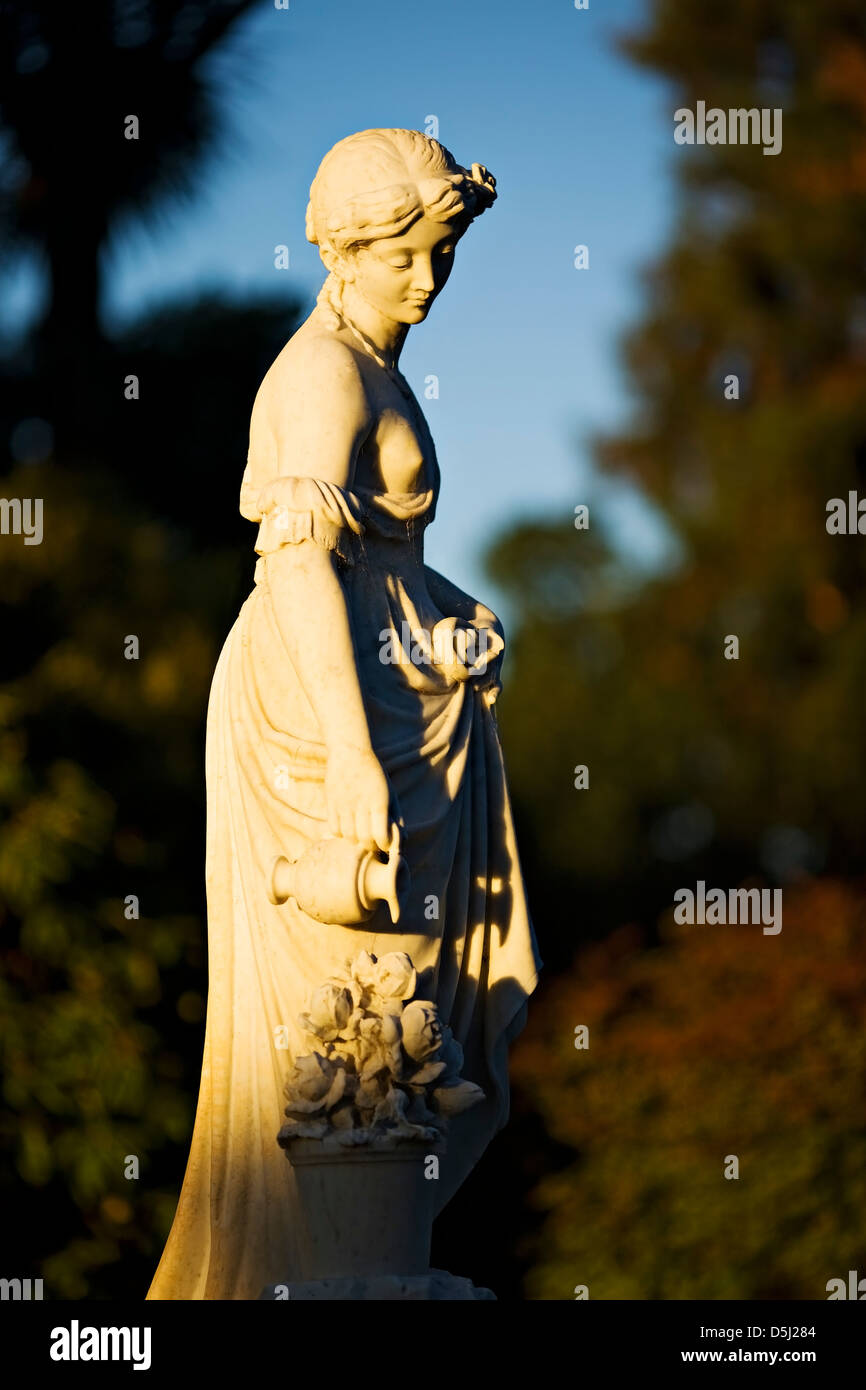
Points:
point(382, 1067)
point(330, 1007)
point(316, 1083)
point(364, 969)
point(395, 976)
point(422, 1031)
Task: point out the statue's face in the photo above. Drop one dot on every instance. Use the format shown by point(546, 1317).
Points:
point(402, 275)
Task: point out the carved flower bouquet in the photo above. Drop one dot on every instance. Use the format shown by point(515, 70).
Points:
point(381, 1068)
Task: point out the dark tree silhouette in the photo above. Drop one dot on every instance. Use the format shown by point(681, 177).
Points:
point(70, 75)
point(102, 791)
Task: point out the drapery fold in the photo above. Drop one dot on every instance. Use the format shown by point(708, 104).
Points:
point(465, 924)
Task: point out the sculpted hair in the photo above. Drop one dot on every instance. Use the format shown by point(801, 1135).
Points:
point(377, 183)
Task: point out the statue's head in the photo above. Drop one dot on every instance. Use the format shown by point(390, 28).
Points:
point(387, 208)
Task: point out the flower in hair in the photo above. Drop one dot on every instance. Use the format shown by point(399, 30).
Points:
point(484, 179)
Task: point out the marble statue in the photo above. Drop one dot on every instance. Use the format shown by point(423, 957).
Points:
point(357, 804)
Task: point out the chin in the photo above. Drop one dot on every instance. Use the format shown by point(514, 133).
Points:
point(415, 313)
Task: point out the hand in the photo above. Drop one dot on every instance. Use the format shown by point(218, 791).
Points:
point(359, 799)
point(489, 663)
point(465, 651)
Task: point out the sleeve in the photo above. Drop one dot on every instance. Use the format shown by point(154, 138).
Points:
point(290, 510)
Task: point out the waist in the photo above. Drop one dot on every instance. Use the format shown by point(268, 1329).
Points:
point(401, 552)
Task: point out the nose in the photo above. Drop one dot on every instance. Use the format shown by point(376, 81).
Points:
point(423, 281)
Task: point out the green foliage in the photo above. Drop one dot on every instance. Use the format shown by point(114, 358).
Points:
point(766, 280)
point(719, 1042)
point(102, 795)
point(96, 1063)
point(702, 767)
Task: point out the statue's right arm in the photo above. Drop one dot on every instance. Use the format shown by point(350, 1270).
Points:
point(318, 417)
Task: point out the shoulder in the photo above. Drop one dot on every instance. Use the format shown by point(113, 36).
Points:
point(318, 369)
point(312, 413)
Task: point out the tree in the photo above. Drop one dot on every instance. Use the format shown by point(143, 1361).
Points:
point(103, 959)
point(746, 766)
point(70, 80)
point(102, 786)
point(749, 418)
point(719, 1044)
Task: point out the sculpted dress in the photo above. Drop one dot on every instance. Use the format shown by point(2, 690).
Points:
point(465, 923)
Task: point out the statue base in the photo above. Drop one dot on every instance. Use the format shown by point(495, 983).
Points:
point(382, 1288)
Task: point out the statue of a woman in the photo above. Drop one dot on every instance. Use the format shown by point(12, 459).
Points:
point(325, 720)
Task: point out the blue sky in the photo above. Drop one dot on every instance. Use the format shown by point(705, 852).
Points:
point(523, 344)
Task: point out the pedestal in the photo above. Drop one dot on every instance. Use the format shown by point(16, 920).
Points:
point(365, 1221)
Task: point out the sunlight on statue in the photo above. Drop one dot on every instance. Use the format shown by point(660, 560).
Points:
point(346, 793)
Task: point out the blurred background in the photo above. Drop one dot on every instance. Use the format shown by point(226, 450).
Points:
point(546, 387)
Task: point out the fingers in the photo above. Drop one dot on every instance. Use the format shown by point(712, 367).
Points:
point(380, 826)
point(341, 814)
point(491, 647)
point(359, 807)
point(344, 822)
point(370, 824)
point(365, 825)
point(463, 640)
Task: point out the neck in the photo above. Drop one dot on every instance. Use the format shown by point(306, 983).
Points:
point(385, 334)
